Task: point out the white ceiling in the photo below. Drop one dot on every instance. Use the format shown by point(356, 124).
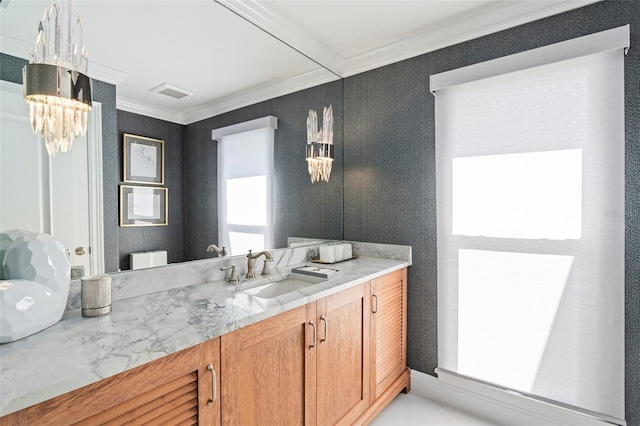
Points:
point(220, 50)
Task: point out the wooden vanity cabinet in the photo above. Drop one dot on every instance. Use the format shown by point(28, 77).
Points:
point(338, 360)
point(176, 389)
point(308, 366)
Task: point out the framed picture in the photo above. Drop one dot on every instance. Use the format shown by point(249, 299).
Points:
point(143, 206)
point(143, 160)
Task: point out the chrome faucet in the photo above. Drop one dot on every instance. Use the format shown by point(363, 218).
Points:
point(221, 251)
point(251, 257)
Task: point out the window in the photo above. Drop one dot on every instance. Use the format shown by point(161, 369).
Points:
point(245, 185)
point(530, 192)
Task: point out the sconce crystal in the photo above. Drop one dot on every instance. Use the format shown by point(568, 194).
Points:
point(320, 145)
point(55, 83)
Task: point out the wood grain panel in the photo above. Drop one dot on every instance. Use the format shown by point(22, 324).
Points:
point(150, 405)
point(172, 390)
point(388, 330)
point(209, 354)
point(14, 419)
point(343, 356)
point(123, 388)
point(264, 367)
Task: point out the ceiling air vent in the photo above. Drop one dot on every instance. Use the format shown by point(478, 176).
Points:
point(171, 91)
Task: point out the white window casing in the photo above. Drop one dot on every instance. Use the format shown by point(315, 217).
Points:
point(245, 185)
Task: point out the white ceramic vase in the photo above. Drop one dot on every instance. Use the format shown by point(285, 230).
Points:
point(7, 238)
point(34, 293)
point(27, 307)
point(39, 258)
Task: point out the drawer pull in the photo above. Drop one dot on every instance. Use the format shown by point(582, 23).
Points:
point(375, 306)
point(315, 335)
point(213, 384)
point(325, 328)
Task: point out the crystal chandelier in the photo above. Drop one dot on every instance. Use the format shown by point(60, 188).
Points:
point(55, 83)
point(320, 145)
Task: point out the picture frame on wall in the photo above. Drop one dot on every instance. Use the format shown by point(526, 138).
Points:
point(143, 206)
point(143, 160)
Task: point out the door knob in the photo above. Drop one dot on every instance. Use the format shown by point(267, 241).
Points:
point(80, 251)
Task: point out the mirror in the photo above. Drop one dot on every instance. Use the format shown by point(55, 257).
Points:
point(300, 208)
point(59, 195)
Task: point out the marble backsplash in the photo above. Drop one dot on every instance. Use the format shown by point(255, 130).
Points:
point(128, 284)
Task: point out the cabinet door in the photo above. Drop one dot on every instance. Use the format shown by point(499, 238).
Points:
point(269, 371)
point(165, 391)
point(388, 330)
point(343, 356)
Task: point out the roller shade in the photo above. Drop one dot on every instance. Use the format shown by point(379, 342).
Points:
point(530, 209)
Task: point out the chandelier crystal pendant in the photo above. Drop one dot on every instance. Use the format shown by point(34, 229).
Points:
point(320, 145)
point(55, 84)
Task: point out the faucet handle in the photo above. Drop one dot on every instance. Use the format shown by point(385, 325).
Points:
point(234, 277)
point(221, 251)
point(265, 268)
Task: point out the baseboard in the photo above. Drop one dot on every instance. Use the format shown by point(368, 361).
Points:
point(517, 411)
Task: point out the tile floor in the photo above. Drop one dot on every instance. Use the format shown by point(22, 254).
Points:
point(408, 410)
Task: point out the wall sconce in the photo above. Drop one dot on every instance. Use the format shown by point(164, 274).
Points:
point(55, 83)
point(320, 145)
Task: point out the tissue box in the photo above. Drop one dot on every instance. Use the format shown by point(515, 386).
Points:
point(347, 251)
point(338, 252)
point(327, 254)
point(148, 259)
point(332, 253)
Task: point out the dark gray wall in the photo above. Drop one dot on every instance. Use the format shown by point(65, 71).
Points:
point(390, 192)
point(11, 70)
point(301, 208)
point(147, 238)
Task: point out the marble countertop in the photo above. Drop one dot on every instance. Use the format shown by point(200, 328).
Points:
point(79, 351)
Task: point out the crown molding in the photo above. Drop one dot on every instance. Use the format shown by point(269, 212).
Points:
point(149, 111)
point(21, 48)
point(260, 93)
point(286, 31)
point(501, 16)
point(10, 87)
point(238, 100)
point(15, 47)
point(106, 74)
point(498, 18)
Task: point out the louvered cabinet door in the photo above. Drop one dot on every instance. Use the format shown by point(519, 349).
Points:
point(173, 390)
point(388, 330)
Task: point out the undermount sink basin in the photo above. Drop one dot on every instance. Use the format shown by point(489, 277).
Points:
point(269, 288)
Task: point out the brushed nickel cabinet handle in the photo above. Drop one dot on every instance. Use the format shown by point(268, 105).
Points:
point(213, 384)
point(325, 328)
point(375, 309)
point(315, 335)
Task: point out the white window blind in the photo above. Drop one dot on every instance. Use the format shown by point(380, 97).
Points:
point(530, 209)
point(245, 185)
